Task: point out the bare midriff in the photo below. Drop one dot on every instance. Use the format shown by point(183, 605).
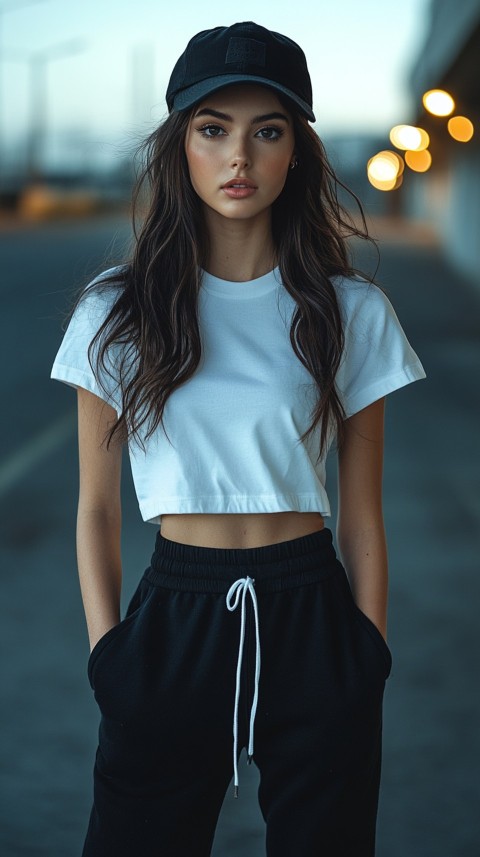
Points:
point(240, 531)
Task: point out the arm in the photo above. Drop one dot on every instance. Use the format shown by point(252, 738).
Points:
point(99, 516)
point(360, 527)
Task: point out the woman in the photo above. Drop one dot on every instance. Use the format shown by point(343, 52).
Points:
point(228, 353)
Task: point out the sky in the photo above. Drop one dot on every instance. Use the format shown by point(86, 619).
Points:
point(358, 51)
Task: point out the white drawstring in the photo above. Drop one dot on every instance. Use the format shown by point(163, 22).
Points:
point(244, 585)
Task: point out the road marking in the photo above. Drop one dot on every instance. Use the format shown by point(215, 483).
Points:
point(17, 465)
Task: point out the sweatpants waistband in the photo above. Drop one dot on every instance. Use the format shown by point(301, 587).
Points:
point(238, 574)
point(283, 565)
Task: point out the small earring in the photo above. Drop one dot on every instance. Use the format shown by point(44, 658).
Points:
point(294, 164)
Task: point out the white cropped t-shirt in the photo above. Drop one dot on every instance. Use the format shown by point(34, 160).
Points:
point(234, 427)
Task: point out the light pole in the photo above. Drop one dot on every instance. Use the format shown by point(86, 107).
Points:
point(38, 98)
point(11, 6)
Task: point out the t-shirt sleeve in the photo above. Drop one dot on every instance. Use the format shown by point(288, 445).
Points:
point(378, 357)
point(72, 364)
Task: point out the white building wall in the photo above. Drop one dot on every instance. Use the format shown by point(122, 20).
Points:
point(449, 198)
point(462, 223)
point(449, 194)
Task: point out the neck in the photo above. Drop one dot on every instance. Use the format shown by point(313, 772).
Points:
point(240, 250)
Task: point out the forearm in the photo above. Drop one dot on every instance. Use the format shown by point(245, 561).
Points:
point(363, 551)
point(99, 568)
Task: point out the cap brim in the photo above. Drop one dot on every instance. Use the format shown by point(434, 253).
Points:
point(198, 91)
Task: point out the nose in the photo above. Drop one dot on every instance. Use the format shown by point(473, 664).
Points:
point(240, 162)
point(240, 159)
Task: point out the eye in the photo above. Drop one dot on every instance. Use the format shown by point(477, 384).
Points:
point(271, 132)
point(211, 131)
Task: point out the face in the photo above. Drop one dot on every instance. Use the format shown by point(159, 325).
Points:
point(239, 145)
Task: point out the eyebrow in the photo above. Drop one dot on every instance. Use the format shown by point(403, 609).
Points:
point(266, 117)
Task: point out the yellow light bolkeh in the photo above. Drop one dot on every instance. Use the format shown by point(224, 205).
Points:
point(405, 137)
point(419, 162)
point(425, 140)
point(384, 170)
point(382, 185)
point(438, 102)
point(460, 128)
point(409, 137)
point(391, 185)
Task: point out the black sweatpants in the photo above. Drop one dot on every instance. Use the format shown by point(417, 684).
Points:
point(209, 633)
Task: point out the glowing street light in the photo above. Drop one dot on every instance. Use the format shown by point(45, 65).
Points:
point(409, 137)
point(405, 137)
point(460, 128)
point(419, 162)
point(425, 140)
point(438, 102)
point(384, 170)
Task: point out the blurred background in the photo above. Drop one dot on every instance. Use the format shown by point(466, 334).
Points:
point(397, 99)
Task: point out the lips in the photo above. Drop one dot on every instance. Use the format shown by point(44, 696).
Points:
point(240, 183)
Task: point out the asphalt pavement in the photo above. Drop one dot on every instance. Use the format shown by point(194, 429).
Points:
point(429, 799)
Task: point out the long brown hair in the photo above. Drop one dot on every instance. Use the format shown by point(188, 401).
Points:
point(154, 317)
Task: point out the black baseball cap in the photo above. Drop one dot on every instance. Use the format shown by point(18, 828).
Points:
point(242, 53)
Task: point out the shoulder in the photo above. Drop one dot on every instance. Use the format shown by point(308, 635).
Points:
point(366, 311)
point(377, 356)
point(95, 302)
point(357, 295)
point(79, 360)
point(105, 289)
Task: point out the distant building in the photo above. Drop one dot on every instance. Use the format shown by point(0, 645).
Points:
point(449, 194)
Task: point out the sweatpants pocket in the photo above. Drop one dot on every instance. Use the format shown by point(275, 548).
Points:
point(376, 636)
point(135, 607)
point(376, 641)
